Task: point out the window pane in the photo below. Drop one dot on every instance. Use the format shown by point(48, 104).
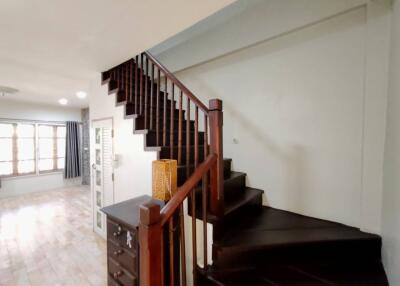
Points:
point(26, 130)
point(45, 164)
point(61, 147)
point(46, 131)
point(26, 149)
point(5, 168)
point(5, 149)
point(60, 163)
point(26, 166)
point(46, 148)
point(61, 131)
point(6, 130)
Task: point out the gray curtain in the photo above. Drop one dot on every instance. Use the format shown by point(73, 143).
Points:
point(72, 151)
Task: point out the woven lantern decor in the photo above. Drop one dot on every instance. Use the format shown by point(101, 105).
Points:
point(164, 179)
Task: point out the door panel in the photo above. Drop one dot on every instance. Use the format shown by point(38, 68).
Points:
point(102, 173)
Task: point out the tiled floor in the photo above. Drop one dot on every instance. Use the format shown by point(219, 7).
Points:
point(47, 239)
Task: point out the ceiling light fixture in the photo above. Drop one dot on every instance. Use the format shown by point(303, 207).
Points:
point(81, 94)
point(6, 90)
point(63, 101)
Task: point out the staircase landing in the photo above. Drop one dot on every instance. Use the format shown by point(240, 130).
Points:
point(275, 247)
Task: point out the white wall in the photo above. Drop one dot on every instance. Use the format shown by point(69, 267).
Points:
point(27, 111)
point(391, 194)
point(295, 106)
point(132, 174)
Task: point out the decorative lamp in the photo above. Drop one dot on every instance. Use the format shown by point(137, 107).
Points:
point(164, 179)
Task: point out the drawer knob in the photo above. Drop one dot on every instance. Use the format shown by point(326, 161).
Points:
point(118, 232)
point(118, 252)
point(117, 274)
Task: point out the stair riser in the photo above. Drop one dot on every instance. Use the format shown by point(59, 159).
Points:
point(130, 110)
point(346, 251)
point(254, 206)
point(165, 154)
point(151, 138)
point(182, 172)
point(227, 167)
point(122, 96)
point(139, 125)
point(234, 187)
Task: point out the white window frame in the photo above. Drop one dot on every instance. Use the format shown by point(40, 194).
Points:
point(36, 139)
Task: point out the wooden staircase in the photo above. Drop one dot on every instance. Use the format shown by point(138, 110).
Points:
point(252, 244)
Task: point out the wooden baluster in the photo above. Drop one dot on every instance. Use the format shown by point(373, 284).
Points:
point(158, 108)
point(151, 96)
point(171, 251)
point(127, 67)
point(171, 131)
point(183, 246)
point(194, 237)
point(136, 84)
point(131, 64)
point(180, 130)
point(122, 77)
point(196, 136)
point(146, 94)
point(165, 112)
point(205, 198)
point(217, 171)
point(188, 138)
point(117, 74)
point(150, 240)
point(141, 85)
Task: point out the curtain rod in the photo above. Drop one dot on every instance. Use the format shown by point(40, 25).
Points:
point(36, 121)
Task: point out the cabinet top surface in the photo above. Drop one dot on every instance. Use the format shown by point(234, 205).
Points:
point(127, 212)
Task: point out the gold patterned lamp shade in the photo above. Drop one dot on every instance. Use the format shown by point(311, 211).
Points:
point(164, 179)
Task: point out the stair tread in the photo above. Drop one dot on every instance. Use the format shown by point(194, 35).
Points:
point(275, 227)
point(241, 200)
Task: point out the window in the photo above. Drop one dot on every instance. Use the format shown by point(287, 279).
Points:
point(51, 147)
point(29, 148)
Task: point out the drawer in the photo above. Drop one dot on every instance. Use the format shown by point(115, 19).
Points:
point(120, 275)
point(119, 234)
point(124, 258)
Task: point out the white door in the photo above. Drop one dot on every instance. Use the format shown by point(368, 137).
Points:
point(102, 172)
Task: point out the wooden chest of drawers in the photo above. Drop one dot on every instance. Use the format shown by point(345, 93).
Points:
point(122, 241)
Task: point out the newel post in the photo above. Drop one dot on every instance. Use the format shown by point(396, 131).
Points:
point(150, 242)
point(216, 147)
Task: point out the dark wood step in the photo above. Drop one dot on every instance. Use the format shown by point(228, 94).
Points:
point(182, 171)
point(140, 119)
point(130, 109)
point(275, 236)
point(165, 153)
point(139, 125)
point(234, 185)
point(248, 202)
point(151, 138)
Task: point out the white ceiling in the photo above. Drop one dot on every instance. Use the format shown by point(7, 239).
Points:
point(51, 48)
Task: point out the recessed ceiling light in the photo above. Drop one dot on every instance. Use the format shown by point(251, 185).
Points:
point(6, 90)
point(81, 94)
point(63, 101)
